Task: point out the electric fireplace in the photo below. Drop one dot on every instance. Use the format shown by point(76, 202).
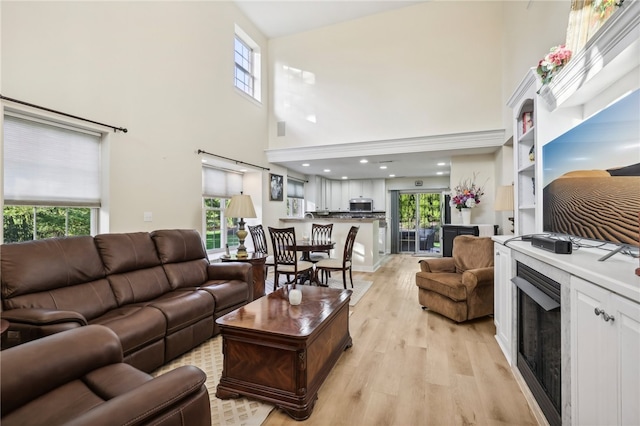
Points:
point(538, 359)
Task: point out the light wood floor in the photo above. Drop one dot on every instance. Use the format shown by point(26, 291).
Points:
point(413, 367)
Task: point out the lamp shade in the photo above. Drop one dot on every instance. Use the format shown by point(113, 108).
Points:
point(504, 198)
point(240, 206)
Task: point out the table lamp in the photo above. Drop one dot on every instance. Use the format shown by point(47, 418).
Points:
point(504, 201)
point(241, 206)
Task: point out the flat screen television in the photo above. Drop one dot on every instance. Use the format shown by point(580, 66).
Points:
point(591, 177)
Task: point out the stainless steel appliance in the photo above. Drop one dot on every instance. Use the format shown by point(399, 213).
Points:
point(361, 205)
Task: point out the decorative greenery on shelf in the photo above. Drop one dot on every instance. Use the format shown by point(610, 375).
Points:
point(553, 62)
point(466, 195)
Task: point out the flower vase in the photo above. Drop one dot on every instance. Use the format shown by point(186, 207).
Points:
point(466, 216)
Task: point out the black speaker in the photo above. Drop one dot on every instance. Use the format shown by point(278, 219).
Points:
point(554, 246)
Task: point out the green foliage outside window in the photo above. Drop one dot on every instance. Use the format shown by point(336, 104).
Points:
point(25, 223)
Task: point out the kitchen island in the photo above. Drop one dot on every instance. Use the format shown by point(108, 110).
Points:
point(366, 257)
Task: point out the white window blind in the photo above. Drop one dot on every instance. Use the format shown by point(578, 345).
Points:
point(219, 183)
point(49, 165)
point(295, 188)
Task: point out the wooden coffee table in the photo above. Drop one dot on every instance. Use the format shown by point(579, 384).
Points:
point(281, 354)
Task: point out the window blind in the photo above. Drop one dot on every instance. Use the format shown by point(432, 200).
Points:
point(49, 165)
point(218, 183)
point(295, 189)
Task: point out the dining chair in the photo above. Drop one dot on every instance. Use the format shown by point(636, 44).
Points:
point(260, 245)
point(285, 256)
point(324, 266)
point(320, 233)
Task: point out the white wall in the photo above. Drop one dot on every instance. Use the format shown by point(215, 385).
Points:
point(164, 70)
point(463, 167)
point(410, 72)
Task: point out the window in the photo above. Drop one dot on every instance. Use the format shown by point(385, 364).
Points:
point(218, 186)
point(52, 184)
point(247, 65)
point(295, 198)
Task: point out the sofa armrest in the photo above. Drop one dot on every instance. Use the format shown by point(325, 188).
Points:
point(54, 361)
point(40, 317)
point(479, 277)
point(440, 264)
point(230, 271)
point(158, 397)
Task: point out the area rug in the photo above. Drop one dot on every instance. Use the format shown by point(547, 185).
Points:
point(360, 287)
point(229, 412)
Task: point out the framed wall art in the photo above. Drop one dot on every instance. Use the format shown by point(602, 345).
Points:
point(276, 192)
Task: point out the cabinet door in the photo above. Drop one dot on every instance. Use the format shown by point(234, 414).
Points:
point(379, 195)
point(336, 195)
point(593, 359)
point(355, 188)
point(503, 295)
point(627, 317)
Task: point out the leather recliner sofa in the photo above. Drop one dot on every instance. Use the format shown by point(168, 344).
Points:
point(77, 377)
point(157, 291)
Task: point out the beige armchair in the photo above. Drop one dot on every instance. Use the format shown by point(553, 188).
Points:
point(459, 287)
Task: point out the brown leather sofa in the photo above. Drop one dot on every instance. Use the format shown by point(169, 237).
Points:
point(77, 377)
point(459, 287)
point(157, 291)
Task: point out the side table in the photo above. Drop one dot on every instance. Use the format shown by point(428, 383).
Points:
point(257, 261)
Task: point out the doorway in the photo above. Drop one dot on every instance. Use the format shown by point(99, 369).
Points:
point(419, 222)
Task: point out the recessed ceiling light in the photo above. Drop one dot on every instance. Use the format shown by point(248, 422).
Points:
point(440, 173)
point(327, 170)
point(243, 170)
point(392, 175)
point(305, 164)
point(364, 161)
point(345, 177)
point(383, 167)
point(442, 164)
point(204, 161)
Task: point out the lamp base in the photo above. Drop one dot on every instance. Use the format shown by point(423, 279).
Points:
point(242, 234)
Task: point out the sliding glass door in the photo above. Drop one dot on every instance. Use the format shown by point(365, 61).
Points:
point(419, 222)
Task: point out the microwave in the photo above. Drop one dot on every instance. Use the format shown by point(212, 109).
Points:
point(361, 205)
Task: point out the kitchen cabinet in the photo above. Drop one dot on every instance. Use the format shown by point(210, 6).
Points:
point(503, 299)
point(335, 203)
point(605, 356)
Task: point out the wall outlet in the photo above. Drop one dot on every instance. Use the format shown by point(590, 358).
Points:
point(148, 216)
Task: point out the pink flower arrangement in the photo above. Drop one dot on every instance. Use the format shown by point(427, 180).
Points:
point(466, 195)
point(553, 62)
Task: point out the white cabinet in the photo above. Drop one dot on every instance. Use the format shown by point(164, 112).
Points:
point(503, 299)
point(355, 189)
point(605, 356)
point(335, 203)
point(379, 194)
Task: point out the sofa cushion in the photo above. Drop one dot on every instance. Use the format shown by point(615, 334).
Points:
point(190, 274)
point(90, 299)
point(57, 273)
point(42, 265)
point(179, 245)
point(227, 293)
point(126, 252)
point(139, 286)
point(184, 308)
point(136, 326)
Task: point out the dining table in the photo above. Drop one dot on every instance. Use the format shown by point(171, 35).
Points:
point(307, 247)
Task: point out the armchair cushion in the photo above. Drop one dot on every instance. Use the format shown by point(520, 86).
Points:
point(471, 252)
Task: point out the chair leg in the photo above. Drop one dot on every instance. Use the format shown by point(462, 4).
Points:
point(344, 278)
point(351, 277)
point(276, 277)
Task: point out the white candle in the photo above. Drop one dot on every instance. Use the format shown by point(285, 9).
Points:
point(295, 296)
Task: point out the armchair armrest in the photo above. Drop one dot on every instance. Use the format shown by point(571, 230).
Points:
point(480, 277)
point(54, 361)
point(136, 407)
point(441, 264)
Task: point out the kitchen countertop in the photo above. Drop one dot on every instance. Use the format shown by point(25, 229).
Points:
point(330, 219)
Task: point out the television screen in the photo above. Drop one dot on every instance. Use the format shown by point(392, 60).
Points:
point(591, 176)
